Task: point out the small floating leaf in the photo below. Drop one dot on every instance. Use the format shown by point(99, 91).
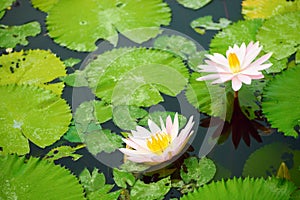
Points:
point(31, 113)
point(34, 67)
point(194, 4)
point(5, 5)
point(82, 26)
point(122, 178)
point(70, 62)
point(206, 23)
point(10, 36)
point(267, 8)
point(238, 188)
point(33, 178)
point(156, 190)
point(283, 172)
point(236, 33)
point(285, 85)
point(279, 34)
point(64, 151)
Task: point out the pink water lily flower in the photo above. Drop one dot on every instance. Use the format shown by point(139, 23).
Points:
point(159, 144)
point(238, 65)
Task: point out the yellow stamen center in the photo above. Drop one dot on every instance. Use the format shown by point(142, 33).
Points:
point(158, 142)
point(234, 63)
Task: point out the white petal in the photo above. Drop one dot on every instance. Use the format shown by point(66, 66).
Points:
point(250, 71)
point(169, 124)
point(261, 60)
point(136, 146)
point(245, 79)
point(175, 127)
point(142, 131)
point(251, 55)
point(224, 67)
point(162, 125)
point(241, 52)
point(218, 58)
point(134, 153)
point(223, 78)
point(236, 84)
point(257, 76)
point(264, 66)
point(153, 127)
point(208, 77)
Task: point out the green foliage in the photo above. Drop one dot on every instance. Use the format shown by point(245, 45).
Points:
point(236, 33)
point(246, 189)
point(31, 113)
point(72, 134)
point(103, 19)
point(194, 4)
point(5, 5)
point(206, 23)
point(44, 6)
point(36, 179)
point(156, 190)
point(268, 165)
point(279, 34)
point(183, 47)
point(95, 187)
point(122, 178)
point(130, 166)
point(10, 36)
point(64, 151)
point(283, 87)
point(70, 62)
point(28, 67)
point(199, 171)
point(267, 8)
point(90, 131)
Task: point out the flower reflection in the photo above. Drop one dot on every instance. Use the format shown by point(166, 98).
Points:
point(159, 144)
point(237, 66)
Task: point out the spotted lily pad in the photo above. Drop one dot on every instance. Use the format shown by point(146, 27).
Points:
point(36, 179)
point(92, 20)
point(10, 36)
point(280, 34)
point(206, 23)
point(34, 67)
point(267, 8)
point(31, 113)
point(281, 95)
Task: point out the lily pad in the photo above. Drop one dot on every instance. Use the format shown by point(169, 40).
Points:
point(122, 178)
point(64, 151)
point(194, 4)
point(236, 33)
point(279, 34)
point(10, 36)
point(5, 5)
point(284, 86)
point(31, 113)
point(44, 6)
point(36, 179)
point(267, 8)
point(269, 164)
point(92, 20)
point(206, 23)
point(34, 67)
point(238, 188)
point(70, 62)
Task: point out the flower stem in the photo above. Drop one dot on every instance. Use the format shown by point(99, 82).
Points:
point(236, 94)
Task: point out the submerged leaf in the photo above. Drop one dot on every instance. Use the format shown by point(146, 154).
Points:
point(236, 33)
point(284, 86)
point(34, 67)
point(206, 23)
point(87, 22)
point(267, 8)
point(10, 36)
point(36, 179)
point(280, 34)
point(194, 4)
point(156, 190)
point(246, 189)
point(30, 113)
point(269, 164)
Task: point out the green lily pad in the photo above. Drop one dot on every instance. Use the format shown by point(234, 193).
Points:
point(44, 6)
point(36, 179)
point(269, 164)
point(199, 171)
point(267, 8)
point(236, 33)
point(238, 188)
point(10, 36)
point(282, 94)
point(34, 67)
point(5, 5)
point(31, 113)
point(150, 191)
point(92, 20)
point(194, 4)
point(95, 187)
point(122, 178)
point(279, 34)
point(70, 62)
point(64, 151)
point(206, 23)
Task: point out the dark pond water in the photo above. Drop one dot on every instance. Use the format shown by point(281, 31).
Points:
point(225, 154)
